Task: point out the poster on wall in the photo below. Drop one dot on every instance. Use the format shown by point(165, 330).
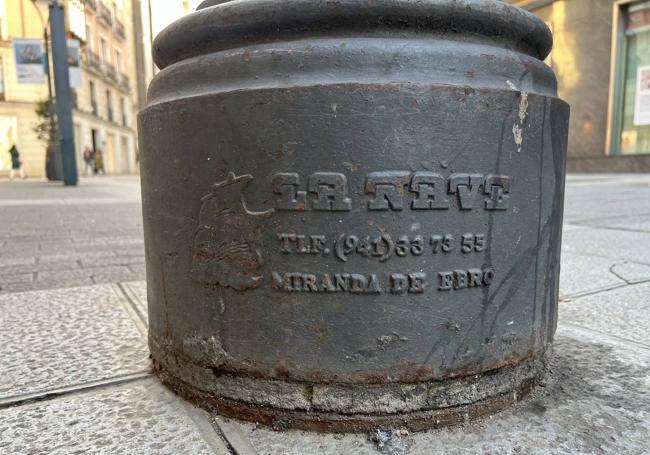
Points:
point(74, 68)
point(642, 106)
point(28, 53)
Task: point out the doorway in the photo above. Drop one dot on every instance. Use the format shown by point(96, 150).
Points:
point(94, 134)
point(109, 153)
point(125, 162)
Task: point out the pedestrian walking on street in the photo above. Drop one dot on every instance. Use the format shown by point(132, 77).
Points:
point(99, 162)
point(16, 163)
point(89, 160)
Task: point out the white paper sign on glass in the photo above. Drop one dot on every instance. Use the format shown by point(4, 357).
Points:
point(642, 105)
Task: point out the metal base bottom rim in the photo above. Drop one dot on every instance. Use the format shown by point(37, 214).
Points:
point(333, 422)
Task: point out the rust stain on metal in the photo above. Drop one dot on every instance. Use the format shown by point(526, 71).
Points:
point(282, 370)
point(404, 373)
point(492, 366)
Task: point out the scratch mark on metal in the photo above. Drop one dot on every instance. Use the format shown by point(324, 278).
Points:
point(517, 128)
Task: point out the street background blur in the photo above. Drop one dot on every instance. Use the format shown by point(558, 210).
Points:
point(601, 57)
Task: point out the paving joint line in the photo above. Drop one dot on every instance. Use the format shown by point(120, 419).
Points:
point(610, 217)
point(611, 228)
point(604, 289)
point(603, 256)
point(611, 270)
point(208, 430)
point(47, 395)
point(567, 298)
point(619, 339)
point(237, 442)
point(132, 300)
point(132, 309)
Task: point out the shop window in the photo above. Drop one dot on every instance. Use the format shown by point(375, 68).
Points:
point(2, 80)
point(634, 74)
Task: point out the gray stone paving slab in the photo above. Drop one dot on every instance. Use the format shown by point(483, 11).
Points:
point(134, 251)
point(62, 275)
point(614, 197)
point(22, 240)
point(138, 246)
point(9, 278)
point(57, 276)
point(17, 254)
point(636, 222)
point(139, 269)
point(113, 241)
point(623, 312)
point(137, 418)
point(13, 248)
point(595, 401)
point(54, 237)
point(51, 284)
point(17, 287)
point(579, 274)
point(6, 261)
point(55, 249)
point(54, 232)
point(69, 256)
point(112, 260)
point(80, 235)
point(59, 338)
point(40, 267)
point(55, 240)
point(619, 245)
point(112, 274)
point(571, 227)
point(593, 207)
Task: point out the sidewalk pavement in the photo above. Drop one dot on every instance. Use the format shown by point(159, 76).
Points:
point(76, 377)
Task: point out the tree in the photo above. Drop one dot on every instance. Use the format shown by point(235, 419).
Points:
point(47, 131)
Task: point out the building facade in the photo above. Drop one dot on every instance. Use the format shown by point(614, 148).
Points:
point(105, 94)
point(601, 56)
point(150, 18)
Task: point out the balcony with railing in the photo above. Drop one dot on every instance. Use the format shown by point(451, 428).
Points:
point(110, 71)
point(120, 31)
point(105, 70)
point(104, 15)
point(125, 83)
point(93, 60)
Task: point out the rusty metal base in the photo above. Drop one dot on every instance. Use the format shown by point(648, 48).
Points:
point(344, 423)
point(336, 408)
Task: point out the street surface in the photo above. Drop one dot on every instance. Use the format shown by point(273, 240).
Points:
point(76, 375)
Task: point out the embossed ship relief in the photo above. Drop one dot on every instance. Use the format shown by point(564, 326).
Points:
point(225, 249)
